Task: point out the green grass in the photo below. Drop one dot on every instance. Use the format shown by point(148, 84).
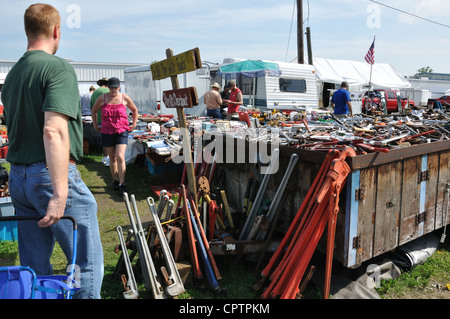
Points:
point(428, 280)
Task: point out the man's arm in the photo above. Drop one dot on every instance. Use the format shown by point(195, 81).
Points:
point(349, 105)
point(94, 111)
point(57, 149)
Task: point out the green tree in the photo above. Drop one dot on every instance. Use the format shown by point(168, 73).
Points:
point(425, 69)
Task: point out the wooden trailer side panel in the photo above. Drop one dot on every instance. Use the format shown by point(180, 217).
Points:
point(410, 199)
point(387, 212)
point(431, 193)
point(442, 216)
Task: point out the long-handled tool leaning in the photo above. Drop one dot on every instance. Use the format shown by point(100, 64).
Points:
point(203, 255)
point(262, 189)
point(278, 195)
point(205, 242)
point(133, 292)
point(191, 239)
point(148, 268)
point(175, 286)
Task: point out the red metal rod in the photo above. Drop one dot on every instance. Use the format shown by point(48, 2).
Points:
point(293, 227)
point(420, 134)
point(298, 269)
point(302, 247)
point(370, 148)
point(333, 210)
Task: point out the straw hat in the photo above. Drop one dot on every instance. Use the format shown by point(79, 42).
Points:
point(103, 81)
point(216, 85)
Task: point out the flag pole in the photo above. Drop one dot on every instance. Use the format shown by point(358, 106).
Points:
point(371, 66)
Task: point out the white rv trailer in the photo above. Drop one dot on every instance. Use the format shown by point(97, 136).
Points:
point(296, 87)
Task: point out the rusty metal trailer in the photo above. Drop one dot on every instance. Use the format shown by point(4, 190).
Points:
point(389, 198)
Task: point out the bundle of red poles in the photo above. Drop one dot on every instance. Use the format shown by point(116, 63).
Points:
point(287, 266)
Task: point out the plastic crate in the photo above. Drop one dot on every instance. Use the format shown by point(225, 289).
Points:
point(6, 207)
point(155, 167)
point(8, 229)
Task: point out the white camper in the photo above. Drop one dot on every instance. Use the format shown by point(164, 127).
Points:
point(147, 93)
point(295, 85)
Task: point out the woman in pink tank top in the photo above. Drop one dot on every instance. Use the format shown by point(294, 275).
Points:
point(115, 128)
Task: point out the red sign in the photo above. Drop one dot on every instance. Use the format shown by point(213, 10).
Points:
point(181, 98)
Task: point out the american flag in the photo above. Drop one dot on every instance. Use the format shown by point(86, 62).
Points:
point(370, 56)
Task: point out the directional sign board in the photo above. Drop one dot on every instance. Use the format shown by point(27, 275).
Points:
point(181, 98)
point(181, 63)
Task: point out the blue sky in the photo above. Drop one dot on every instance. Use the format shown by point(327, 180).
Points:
point(140, 31)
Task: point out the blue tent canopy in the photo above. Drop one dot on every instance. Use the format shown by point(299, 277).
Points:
point(249, 69)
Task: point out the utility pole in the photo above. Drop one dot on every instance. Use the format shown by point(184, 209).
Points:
point(300, 49)
point(308, 42)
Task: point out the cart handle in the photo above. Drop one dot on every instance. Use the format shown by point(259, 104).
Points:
point(19, 218)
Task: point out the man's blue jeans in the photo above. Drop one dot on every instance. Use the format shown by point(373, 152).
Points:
point(31, 189)
point(214, 113)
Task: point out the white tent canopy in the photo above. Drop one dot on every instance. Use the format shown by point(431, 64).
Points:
point(358, 73)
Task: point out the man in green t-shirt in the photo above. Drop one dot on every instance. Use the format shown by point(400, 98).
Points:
point(45, 133)
point(103, 88)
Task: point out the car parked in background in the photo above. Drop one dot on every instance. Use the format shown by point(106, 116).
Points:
point(385, 100)
point(444, 100)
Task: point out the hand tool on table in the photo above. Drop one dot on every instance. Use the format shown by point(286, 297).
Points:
point(133, 292)
point(407, 138)
point(370, 148)
point(175, 286)
point(255, 206)
point(147, 265)
point(203, 255)
point(343, 125)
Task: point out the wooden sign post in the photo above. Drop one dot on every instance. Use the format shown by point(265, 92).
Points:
point(180, 99)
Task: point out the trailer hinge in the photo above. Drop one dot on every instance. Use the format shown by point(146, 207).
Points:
point(423, 176)
point(359, 194)
point(356, 242)
point(420, 218)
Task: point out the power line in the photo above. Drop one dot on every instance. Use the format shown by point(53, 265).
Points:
point(290, 31)
point(410, 14)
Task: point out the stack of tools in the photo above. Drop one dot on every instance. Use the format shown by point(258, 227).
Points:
point(288, 264)
point(199, 244)
point(367, 133)
point(165, 283)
